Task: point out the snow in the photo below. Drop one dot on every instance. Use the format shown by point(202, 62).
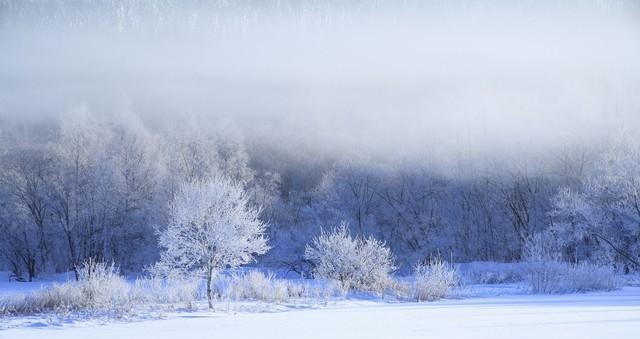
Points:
point(593, 315)
point(9, 287)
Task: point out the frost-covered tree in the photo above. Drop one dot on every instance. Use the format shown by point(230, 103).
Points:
point(211, 226)
point(601, 220)
point(25, 177)
point(138, 196)
point(82, 189)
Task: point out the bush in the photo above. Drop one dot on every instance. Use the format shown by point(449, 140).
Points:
point(157, 291)
point(58, 298)
point(355, 263)
point(561, 277)
point(99, 289)
point(434, 279)
point(547, 273)
point(102, 287)
point(256, 285)
point(587, 277)
point(543, 266)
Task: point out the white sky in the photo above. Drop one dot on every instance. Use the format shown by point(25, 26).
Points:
point(429, 79)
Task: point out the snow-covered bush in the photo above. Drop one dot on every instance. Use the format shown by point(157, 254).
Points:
point(434, 279)
point(100, 289)
point(355, 263)
point(53, 299)
point(561, 277)
point(586, 277)
point(158, 291)
point(543, 266)
point(256, 285)
point(547, 273)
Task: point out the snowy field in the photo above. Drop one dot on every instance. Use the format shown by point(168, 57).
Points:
point(507, 314)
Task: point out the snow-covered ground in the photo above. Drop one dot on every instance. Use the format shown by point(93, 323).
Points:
point(488, 311)
point(10, 287)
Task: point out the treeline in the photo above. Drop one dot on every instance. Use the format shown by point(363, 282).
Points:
point(86, 187)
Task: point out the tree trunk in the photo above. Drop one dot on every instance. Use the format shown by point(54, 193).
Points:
point(209, 289)
point(31, 269)
point(76, 273)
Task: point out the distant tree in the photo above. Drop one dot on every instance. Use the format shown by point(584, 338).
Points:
point(25, 176)
point(602, 218)
point(82, 190)
point(211, 227)
point(526, 202)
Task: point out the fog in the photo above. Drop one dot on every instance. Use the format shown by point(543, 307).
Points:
point(434, 80)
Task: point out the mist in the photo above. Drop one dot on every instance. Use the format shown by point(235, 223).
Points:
point(427, 81)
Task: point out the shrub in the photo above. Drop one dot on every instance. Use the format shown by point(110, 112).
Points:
point(99, 289)
point(434, 279)
point(157, 291)
point(256, 285)
point(543, 266)
point(586, 277)
point(102, 287)
point(58, 298)
point(547, 273)
point(355, 263)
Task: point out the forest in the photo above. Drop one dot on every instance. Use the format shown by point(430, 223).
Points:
point(86, 187)
point(327, 112)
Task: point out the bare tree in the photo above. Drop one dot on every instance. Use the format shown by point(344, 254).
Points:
point(26, 175)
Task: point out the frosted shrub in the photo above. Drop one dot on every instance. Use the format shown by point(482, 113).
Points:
point(154, 291)
point(560, 277)
point(58, 298)
point(297, 290)
point(546, 273)
point(377, 263)
point(102, 287)
point(256, 285)
point(434, 279)
point(355, 263)
point(102, 291)
point(543, 266)
point(586, 277)
point(99, 289)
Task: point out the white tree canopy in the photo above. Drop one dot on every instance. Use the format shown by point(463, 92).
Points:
point(211, 226)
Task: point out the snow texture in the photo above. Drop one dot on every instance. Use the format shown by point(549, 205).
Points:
point(595, 315)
